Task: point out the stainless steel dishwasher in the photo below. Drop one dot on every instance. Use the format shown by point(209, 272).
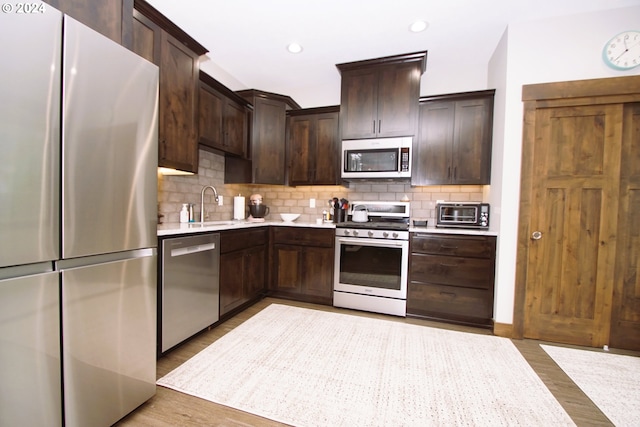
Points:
point(190, 287)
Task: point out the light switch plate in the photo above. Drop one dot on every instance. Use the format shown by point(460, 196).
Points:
point(312, 203)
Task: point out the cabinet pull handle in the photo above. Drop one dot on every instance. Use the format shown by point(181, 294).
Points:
point(449, 172)
point(374, 126)
point(450, 294)
point(448, 265)
point(379, 126)
point(448, 247)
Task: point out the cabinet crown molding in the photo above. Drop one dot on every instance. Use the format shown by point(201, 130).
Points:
point(166, 24)
point(420, 57)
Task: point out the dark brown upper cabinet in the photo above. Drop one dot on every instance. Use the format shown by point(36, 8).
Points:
point(223, 118)
point(379, 97)
point(111, 18)
point(178, 57)
point(453, 145)
point(313, 143)
point(267, 143)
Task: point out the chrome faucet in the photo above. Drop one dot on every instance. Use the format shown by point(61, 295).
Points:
point(215, 195)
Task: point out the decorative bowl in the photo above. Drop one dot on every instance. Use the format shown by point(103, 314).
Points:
point(289, 217)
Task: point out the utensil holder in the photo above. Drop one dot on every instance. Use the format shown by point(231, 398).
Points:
point(339, 215)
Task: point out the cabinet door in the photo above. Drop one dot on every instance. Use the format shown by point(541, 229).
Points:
point(317, 273)
point(232, 293)
point(432, 160)
point(300, 147)
point(254, 271)
point(146, 38)
point(268, 147)
point(210, 123)
point(235, 128)
point(325, 154)
point(472, 141)
point(397, 104)
point(179, 68)
point(358, 104)
point(287, 261)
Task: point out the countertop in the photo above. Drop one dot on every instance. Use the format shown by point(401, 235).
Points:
point(461, 231)
point(174, 229)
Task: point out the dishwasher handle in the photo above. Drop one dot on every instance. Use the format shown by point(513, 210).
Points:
point(187, 250)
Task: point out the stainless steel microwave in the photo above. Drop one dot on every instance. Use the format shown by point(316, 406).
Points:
point(377, 158)
point(462, 215)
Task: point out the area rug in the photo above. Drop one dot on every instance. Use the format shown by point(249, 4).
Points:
point(611, 381)
point(308, 367)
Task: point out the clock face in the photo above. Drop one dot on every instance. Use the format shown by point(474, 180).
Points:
point(622, 52)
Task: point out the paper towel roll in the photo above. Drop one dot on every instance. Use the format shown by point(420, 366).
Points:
point(238, 207)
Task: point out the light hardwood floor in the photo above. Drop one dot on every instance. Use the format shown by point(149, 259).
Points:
point(171, 408)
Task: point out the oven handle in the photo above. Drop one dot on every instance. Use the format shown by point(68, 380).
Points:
point(376, 242)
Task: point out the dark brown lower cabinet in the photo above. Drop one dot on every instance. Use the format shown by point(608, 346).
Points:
point(243, 261)
point(451, 278)
point(302, 264)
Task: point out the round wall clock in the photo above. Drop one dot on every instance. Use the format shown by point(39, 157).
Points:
point(622, 52)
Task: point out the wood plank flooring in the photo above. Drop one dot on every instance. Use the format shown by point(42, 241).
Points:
point(171, 408)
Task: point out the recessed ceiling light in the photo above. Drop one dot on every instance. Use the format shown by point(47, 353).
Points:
point(294, 48)
point(418, 26)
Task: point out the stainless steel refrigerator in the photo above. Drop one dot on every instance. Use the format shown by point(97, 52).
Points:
point(78, 186)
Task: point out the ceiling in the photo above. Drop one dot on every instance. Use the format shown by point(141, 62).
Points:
point(247, 39)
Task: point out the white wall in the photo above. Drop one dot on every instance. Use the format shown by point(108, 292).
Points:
point(559, 49)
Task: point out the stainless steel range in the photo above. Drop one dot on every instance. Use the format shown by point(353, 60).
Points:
point(372, 258)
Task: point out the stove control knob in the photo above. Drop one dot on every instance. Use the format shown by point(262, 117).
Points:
point(385, 234)
point(355, 232)
point(346, 232)
point(395, 235)
point(370, 233)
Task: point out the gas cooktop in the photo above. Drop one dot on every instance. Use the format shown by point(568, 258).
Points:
point(381, 216)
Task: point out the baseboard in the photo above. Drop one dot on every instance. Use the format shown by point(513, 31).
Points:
point(503, 330)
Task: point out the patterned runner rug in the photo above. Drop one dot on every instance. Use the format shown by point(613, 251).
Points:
point(312, 368)
point(611, 381)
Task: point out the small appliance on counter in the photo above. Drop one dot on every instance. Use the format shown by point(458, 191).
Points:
point(462, 215)
point(257, 210)
point(238, 207)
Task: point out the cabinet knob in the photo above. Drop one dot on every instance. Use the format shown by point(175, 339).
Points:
point(536, 235)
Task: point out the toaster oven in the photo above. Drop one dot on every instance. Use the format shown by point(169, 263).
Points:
point(462, 215)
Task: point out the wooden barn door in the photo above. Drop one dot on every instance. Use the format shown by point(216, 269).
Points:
point(625, 319)
point(569, 239)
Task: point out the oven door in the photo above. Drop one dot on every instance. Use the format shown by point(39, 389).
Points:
point(373, 267)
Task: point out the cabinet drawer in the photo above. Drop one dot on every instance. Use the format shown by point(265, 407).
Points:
point(446, 270)
point(233, 240)
point(466, 246)
point(304, 236)
point(449, 302)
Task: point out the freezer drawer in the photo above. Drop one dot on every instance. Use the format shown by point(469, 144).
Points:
point(109, 339)
point(190, 286)
point(30, 390)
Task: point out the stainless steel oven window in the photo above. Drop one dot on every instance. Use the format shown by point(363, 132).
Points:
point(458, 214)
point(371, 266)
